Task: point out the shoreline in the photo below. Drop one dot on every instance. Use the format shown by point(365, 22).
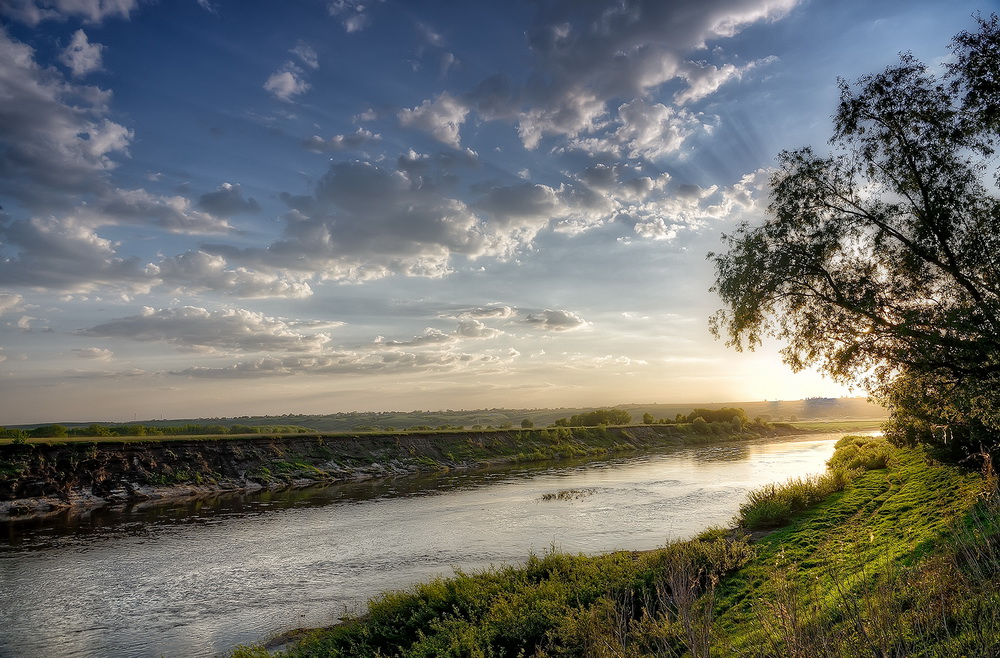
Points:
point(42, 479)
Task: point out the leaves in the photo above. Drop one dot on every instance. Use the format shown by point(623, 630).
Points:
point(879, 263)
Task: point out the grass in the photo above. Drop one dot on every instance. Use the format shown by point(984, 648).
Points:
point(899, 557)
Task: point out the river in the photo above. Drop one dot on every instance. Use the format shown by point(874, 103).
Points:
point(195, 579)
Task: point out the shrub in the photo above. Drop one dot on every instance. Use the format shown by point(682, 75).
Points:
point(775, 504)
point(865, 453)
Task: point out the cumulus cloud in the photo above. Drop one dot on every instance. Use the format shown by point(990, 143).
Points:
point(195, 271)
point(57, 140)
point(643, 131)
point(81, 56)
point(691, 206)
point(33, 12)
point(228, 330)
point(364, 222)
point(170, 213)
point(286, 83)
point(559, 320)
point(587, 55)
point(443, 118)
point(227, 200)
point(67, 258)
point(10, 301)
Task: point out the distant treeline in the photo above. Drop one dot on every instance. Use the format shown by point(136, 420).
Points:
point(61, 431)
point(700, 418)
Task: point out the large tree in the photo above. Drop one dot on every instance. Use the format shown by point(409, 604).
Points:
point(879, 262)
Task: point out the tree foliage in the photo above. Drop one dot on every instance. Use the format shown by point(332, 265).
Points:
point(880, 262)
point(596, 417)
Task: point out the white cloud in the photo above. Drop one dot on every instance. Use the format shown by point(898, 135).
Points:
point(559, 320)
point(643, 131)
point(10, 301)
point(442, 118)
point(33, 12)
point(81, 56)
point(705, 79)
point(195, 271)
point(307, 54)
point(499, 312)
point(285, 84)
point(94, 353)
point(354, 14)
point(353, 141)
point(198, 329)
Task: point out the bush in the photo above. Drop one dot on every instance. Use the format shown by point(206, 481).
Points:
point(865, 453)
point(775, 504)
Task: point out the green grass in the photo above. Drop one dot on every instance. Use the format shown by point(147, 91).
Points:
point(901, 560)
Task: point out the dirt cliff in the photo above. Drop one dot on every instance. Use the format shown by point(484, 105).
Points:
point(39, 477)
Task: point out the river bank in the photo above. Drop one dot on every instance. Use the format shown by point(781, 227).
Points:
point(45, 477)
point(901, 561)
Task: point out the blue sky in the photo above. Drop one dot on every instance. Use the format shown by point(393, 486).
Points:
point(224, 208)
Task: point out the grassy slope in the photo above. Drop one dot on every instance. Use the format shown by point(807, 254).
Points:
point(836, 576)
point(895, 565)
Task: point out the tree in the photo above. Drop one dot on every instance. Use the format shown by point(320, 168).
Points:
point(647, 418)
point(526, 423)
point(880, 263)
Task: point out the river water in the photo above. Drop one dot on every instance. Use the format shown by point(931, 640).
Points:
point(195, 579)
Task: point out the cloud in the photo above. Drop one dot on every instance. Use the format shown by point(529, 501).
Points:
point(500, 312)
point(57, 140)
point(588, 56)
point(81, 56)
point(24, 323)
point(354, 141)
point(286, 83)
point(389, 362)
point(193, 328)
point(364, 222)
point(643, 131)
point(33, 12)
point(174, 213)
point(468, 328)
point(94, 353)
point(549, 320)
point(66, 257)
point(705, 79)
point(10, 301)
point(195, 271)
point(443, 118)
point(227, 200)
point(353, 14)
point(306, 54)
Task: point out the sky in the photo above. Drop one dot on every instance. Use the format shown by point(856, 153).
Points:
point(217, 208)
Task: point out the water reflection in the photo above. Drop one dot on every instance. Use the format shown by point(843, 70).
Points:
point(196, 578)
